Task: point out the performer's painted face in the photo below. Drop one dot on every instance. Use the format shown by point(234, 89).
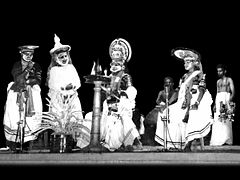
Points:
point(63, 58)
point(188, 64)
point(27, 55)
point(116, 66)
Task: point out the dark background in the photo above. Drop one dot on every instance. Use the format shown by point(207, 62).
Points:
point(152, 30)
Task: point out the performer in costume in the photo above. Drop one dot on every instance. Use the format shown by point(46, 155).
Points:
point(116, 126)
point(224, 109)
point(190, 117)
point(24, 102)
point(63, 82)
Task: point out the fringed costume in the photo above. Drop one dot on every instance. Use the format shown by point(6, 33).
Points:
point(116, 126)
point(185, 123)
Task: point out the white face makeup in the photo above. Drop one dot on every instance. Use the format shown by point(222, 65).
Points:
point(115, 66)
point(27, 56)
point(62, 58)
point(188, 63)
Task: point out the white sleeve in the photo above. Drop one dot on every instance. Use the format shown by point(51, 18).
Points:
point(75, 79)
point(54, 79)
point(131, 92)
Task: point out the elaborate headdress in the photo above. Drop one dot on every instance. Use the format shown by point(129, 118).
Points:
point(188, 54)
point(27, 48)
point(58, 46)
point(122, 49)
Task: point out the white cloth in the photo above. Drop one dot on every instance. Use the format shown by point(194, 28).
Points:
point(199, 121)
point(83, 138)
point(60, 100)
point(12, 115)
point(221, 129)
point(61, 76)
point(117, 128)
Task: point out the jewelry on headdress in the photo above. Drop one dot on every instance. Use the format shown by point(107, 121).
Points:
point(188, 54)
point(184, 53)
point(120, 50)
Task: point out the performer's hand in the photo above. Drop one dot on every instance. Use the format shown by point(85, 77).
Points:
point(123, 94)
point(115, 94)
point(214, 108)
point(184, 105)
point(30, 65)
point(112, 99)
point(30, 81)
point(69, 86)
point(194, 106)
point(161, 108)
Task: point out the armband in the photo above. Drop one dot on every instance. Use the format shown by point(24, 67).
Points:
point(197, 102)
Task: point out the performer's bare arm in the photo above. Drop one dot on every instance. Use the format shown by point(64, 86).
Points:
point(232, 89)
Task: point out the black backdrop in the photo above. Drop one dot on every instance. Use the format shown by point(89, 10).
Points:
point(152, 31)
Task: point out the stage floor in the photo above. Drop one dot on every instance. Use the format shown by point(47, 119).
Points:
point(149, 155)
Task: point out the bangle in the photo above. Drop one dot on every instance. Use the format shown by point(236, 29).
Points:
point(197, 102)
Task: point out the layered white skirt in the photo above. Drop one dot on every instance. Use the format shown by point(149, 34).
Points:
point(117, 129)
point(179, 132)
point(12, 116)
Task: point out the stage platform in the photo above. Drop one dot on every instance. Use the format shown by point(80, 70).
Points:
point(149, 155)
